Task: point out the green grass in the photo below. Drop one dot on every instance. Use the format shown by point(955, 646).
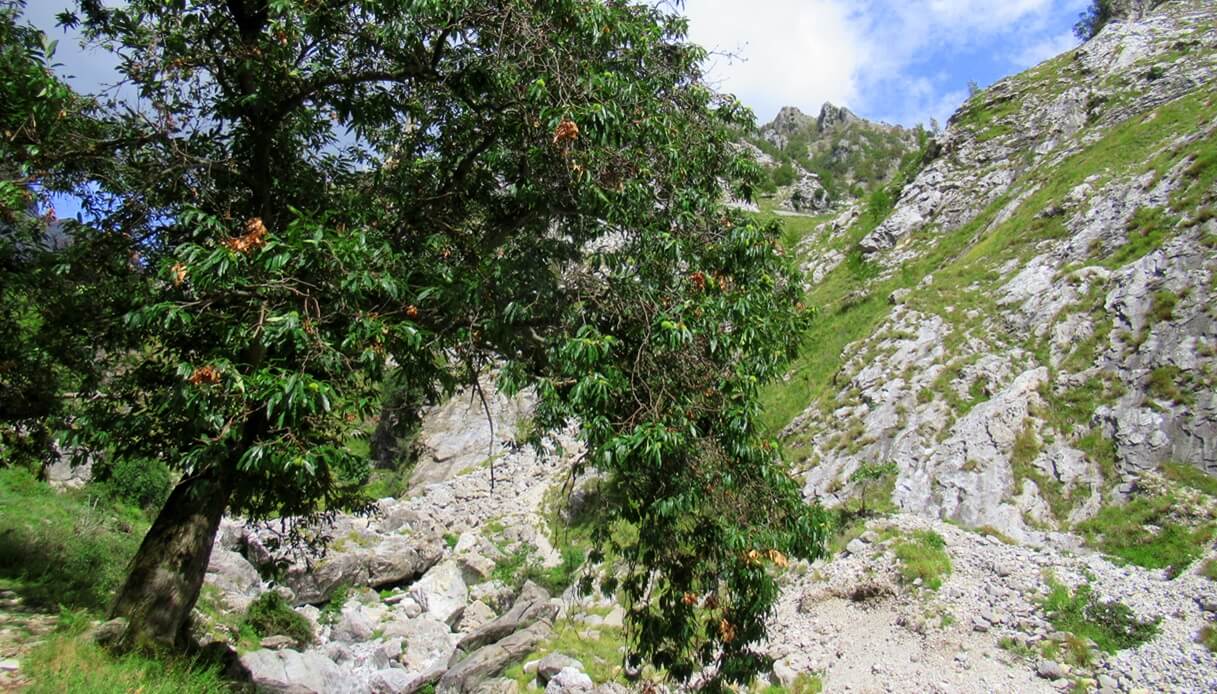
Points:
point(67, 549)
point(1208, 638)
point(1190, 476)
point(1209, 570)
point(1144, 532)
point(1111, 625)
point(1147, 229)
point(599, 649)
point(70, 663)
point(923, 556)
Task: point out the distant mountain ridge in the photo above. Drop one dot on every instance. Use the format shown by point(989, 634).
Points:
point(846, 156)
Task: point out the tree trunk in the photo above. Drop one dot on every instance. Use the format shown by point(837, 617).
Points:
point(165, 576)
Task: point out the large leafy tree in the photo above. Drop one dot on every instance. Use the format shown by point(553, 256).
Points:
point(311, 193)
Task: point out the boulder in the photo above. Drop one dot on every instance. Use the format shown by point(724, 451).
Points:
point(554, 663)
point(569, 680)
point(292, 671)
point(532, 605)
point(429, 643)
point(441, 592)
point(465, 675)
point(395, 559)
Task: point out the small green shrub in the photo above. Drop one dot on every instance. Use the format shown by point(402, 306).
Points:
point(1209, 570)
point(1208, 637)
point(1110, 624)
point(923, 556)
point(1163, 307)
point(1164, 384)
point(333, 608)
point(270, 615)
point(450, 540)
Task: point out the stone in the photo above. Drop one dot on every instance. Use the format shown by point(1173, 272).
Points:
point(390, 681)
point(554, 663)
point(441, 592)
point(498, 685)
point(856, 546)
point(428, 643)
point(353, 626)
point(476, 615)
point(569, 680)
point(532, 604)
point(1050, 670)
point(465, 674)
point(278, 642)
point(292, 672)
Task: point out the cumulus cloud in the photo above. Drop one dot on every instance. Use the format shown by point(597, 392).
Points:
point(781, 52)
point(875, 56)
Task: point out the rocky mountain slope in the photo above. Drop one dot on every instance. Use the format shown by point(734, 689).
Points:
point(1033, 325)
point(831, 158)
point(1008, 398)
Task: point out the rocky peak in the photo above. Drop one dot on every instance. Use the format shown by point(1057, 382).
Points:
point(833, 115)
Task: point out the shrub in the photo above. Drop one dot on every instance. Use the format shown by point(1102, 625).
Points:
point(923, 556)
point(144, 483)
point(1208, 637)
point(270, 615)
point(1110, 624)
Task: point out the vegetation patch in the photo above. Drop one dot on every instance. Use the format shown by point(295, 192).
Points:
point(599, 649)
point(70, 663)
point(1147, 532)
point(1147, 230)
point(270, 615)
point(66, 548)
point(923, 555)
point(1110, 624)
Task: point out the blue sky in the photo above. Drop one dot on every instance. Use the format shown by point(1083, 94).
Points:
point(901, 61)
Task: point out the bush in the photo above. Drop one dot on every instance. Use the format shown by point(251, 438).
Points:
point(142, 483)
point(1110, 624)
point(270, 615)
point(923, 556)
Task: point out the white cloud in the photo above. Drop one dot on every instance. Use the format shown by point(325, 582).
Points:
point(782, 52)
point(866, 54)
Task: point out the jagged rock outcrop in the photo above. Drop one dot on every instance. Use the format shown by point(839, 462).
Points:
point(833, 155)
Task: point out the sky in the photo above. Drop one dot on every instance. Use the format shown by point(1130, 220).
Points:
point(899, 61)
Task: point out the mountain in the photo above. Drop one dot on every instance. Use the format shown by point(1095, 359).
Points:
point(846, 156)
point(1034, 325)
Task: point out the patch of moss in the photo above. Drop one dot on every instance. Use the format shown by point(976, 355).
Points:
point(1145, 532)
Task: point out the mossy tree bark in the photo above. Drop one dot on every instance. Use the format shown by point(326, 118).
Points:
point(167, 572)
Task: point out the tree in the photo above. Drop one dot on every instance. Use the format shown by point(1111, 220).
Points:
point(868, 473)
point(1093, 19)
point(44, 131)
point(307, 193)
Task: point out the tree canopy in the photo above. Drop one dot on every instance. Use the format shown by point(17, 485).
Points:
point(308, 195)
